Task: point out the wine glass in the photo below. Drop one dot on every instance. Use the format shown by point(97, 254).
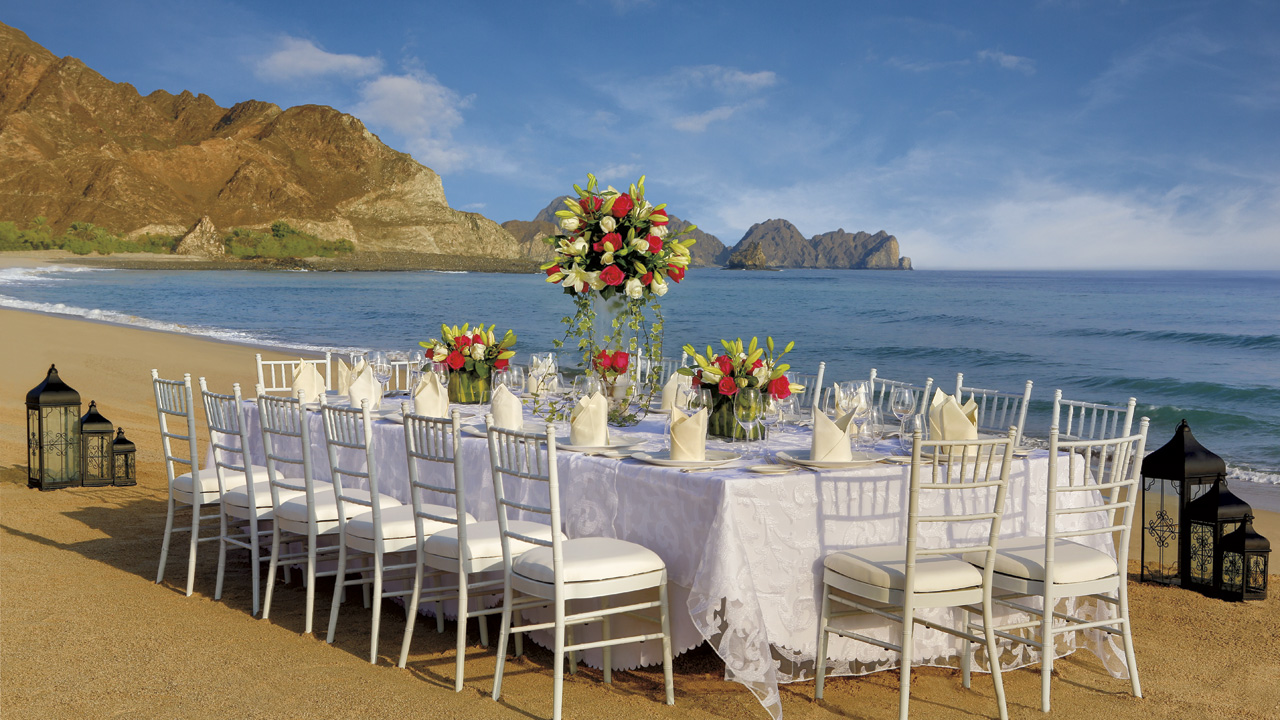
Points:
point(441, 371)
point(874, 429)
point(788, 413)
point(381, 366)
point(747, 404)
point(770, 416)
point(586, 385)
point(902, 402)
point(513, 377)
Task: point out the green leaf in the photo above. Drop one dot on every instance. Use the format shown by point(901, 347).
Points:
point(482, 370)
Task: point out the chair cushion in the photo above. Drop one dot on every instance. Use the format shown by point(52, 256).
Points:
point(1024, 558)
point(209, 479)
point(886, 566)
point(327, 506)
point(397, 522)
point(261, 495)
point(589, 559)
point(483, 540)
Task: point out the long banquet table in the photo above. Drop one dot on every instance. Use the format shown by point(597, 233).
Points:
point(743, 550)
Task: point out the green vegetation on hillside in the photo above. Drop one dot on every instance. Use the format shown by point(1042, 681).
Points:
point(82, 238)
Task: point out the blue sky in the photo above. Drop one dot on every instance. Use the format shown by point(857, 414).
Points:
point(984, 135)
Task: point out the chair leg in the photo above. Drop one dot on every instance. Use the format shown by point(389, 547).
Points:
point(607, 649)
point(966, 653)
point(164, 545)
point(558, 663)
point(993, 657)
point(1046, 651)
point(339, 584)
point(311, 579)
point(195, 541)
point(573, 654)
point(222, 554)
point(503, 633)
point(1130, 659)
point(412, 613)
point(377, 604)
point(272, 564)
point(460, 649)
point(824, 619)
point(665, 609)
point(483, 622)
point(907, 656)
point(255, 559)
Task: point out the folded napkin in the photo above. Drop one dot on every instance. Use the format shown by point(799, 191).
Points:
point(540, 375)
point(508, 411)
point(831, 442)
point(676, 384)
point(949, 420)
point(365, 387)
point(308, 380)
point(344, 377)
point(430, 398)
point(689, 435)
point(589, 422)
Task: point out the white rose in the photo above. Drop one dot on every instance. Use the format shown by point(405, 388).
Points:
point(639, 244)
point(634, 288)
point(607, 258)
point(658, 286)
point(569, 223)
point(659, 230)
point(608, 224)
point(762, 374)
point(477, 351)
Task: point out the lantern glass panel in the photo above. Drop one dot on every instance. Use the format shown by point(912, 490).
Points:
point(61, 445)
point(33, 445)
point(123, 467)
point(1201, 553)
point(1257, 576)
point(97, 459)
point(1232, 572)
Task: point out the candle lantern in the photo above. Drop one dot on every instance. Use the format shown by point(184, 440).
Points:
point(1210, 519)
point(123, 468)
point(1182, 471)
point(53, 434)
point(95, 448)
point(1244, 563)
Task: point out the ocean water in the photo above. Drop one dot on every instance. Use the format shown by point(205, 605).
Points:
point(1204, 346)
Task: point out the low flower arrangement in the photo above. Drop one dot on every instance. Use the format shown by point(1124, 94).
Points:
point(740, 366)
point(471, 356)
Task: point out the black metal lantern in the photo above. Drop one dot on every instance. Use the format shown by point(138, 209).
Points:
point(1186, 468)
point(1210, 519)
point(123, 469)
point(1244, 563)
point(95, 448)
point(53, 434)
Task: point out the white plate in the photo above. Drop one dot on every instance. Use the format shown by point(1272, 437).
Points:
point(897, 459)
point(616, 442)
point(801, 457)
point(715, 458)
point(481, 430)
point(390, 414)
point(776, 469)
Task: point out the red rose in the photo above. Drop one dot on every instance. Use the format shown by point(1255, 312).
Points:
point(675, 273)
point(728, 386)
point(756, 365)
point(553, 270)
point(659, 217)
point(455, 360)
point(725, 363)
point(655, 244)
point(477, 339)
point(501, 364)
point(646, 278)
point(620, 361)
point(612, 275)
point(780, 388)
point(611, 242)
point(590, 203)
point(604, 360)
point(622, 205)
point(462, 342)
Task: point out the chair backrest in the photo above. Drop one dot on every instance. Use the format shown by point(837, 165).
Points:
point(812, 387)
point(530, 457)
point(1091, 421)
point(1105, 473)
point(997, 410)
point(276, 375)
point(284, 427)
point(436, 440)
point(973, 478)
point(352, 429)
point(404, 373)
point(174, 402)
point(882, 388)
point(224, 414)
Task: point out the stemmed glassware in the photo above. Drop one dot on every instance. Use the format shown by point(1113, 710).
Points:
point(381, 367)
point(585, 386)
point(771, 413)
point(513, 377)
point(874, 429)
point(902, 402)
point(748, 404)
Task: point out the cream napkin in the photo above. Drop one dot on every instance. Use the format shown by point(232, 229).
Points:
point(344, 377)
point(831, 442)
point(689, 435)
point(365, 387)
point(308, 380)
point(589, 422)
point(508, 411)
point(540, 375)
point(430, 398)
point(949, 420)
point(675, 385)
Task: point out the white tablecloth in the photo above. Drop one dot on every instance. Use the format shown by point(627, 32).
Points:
point(743, 550)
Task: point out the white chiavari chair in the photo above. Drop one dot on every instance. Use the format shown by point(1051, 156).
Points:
point(997, 410)
point(966, 485)
point(812, 394)
point(277, 375)
point(1091, 421)
point(1054, 567)
point(560, 570)
point(881, 388)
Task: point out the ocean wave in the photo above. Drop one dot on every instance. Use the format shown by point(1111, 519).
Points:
point(213, 333)
point(43, 274)
point(1261, 477)
point(1207, 392)
point(1225, 340)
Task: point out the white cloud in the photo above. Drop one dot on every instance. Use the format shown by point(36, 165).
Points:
point(419, 108)
point(719, 77)
point(698, 122)
point(1026, 66)
point(300, 59)
point(1169, 49)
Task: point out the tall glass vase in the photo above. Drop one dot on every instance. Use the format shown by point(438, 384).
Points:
point(612, 334)
point(468, 388)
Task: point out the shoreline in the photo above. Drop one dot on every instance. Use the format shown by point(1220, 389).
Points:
point(357, 262)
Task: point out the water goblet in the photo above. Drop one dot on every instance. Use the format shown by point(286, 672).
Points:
point(585, 386)
point(902, 402)
point(770, 417)
point(874, 429)
point(747, 405)
point(441, 371)
point(381, 367)
point(514, 377)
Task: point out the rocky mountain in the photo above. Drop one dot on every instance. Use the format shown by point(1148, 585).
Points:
point(529, 235)
point(749, 258)
point(75, 146)
point(784, 246)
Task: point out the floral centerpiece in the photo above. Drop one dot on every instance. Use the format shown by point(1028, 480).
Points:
point(615, 257)
point(740, 366)
point(471, 356)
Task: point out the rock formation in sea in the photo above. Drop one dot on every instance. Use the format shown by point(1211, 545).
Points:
point(751, 257)
point(530, 234)
point(784, 246)
point(78, 147)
